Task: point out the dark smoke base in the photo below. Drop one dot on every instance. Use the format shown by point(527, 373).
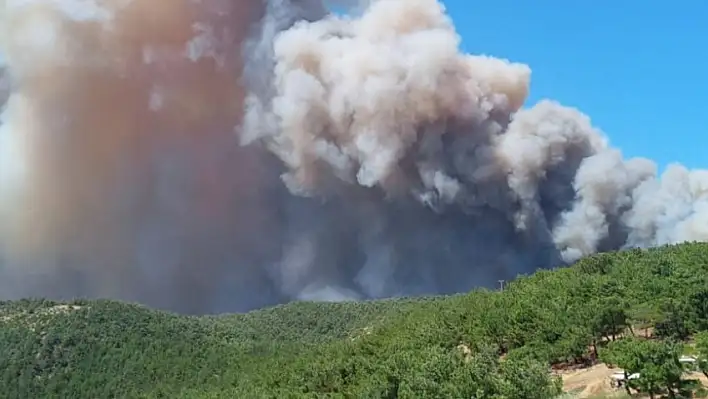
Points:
point(430, 253)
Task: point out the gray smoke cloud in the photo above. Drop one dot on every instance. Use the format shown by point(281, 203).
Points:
point(213, 155)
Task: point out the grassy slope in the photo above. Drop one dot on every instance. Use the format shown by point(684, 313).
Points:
point(370, 349)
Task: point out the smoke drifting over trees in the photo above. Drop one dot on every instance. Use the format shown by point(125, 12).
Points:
point(215, 155)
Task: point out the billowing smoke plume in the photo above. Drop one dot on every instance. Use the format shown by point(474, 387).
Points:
point(222, 155)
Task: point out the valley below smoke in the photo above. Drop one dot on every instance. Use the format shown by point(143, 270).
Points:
point(208, 156)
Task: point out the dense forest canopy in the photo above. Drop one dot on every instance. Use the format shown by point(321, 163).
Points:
point(484, 344)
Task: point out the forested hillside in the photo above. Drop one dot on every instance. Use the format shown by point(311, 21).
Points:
point(484, 344)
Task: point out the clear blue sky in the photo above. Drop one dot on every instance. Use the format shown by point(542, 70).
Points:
point(639, 69)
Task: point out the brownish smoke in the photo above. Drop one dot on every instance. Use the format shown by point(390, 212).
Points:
point(100, 111)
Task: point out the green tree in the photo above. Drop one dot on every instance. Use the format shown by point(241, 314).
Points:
point(674, 323)
point(644, 316)
point(610, 318)
point(702, 349)
point(624, 353)
point(528, 379)
point(698, 305)
point(656, 362)
point(663, 368)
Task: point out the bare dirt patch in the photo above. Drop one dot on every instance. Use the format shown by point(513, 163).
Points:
point(594, 382)
point(588, 382)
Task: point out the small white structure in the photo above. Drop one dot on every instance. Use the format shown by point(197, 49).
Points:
point(689, 362)
point(617, 379)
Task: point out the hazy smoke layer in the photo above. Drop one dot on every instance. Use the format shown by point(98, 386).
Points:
point(222, 155)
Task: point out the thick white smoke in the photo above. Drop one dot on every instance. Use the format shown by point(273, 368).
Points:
point(211, 155)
